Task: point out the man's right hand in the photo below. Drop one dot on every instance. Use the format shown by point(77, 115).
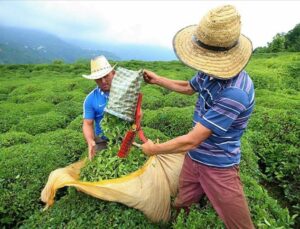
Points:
point(92, 149)
point(150, 77)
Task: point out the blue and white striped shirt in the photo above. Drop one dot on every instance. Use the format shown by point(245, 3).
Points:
point(224, 107)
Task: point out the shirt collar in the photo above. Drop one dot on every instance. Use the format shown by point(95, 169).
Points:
point(102, 92)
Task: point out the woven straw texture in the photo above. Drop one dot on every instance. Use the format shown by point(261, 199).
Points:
point(99, 68)
point(123, 94)
point(219, 28)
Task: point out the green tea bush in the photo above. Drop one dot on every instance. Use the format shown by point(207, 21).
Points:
point(37, 124)
point(70, 109)
point(78, 96)
point(70, 142)
point(8, 119)
point(6, 87)
point(20, 98)
point(76, 124)
point(78, 210)
point(200, 218)
point(3, 97)
point(276, 142)
point(179, 100)
point(13, 113)
point(171, 121)
point(27, 89)
point(14, 138)
point(56, 97)
point(68, 85)
point(265, 211)
point(155, 135)
point(270, 148)
point(152, 98)
point(25, 168)
point(293, 75)
point(277, 100)
point(249, 160)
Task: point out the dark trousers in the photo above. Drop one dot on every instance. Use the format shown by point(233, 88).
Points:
point(100, 144)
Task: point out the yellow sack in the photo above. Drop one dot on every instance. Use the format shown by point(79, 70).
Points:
point(148, 189)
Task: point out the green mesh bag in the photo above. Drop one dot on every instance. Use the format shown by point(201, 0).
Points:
point(123, 95)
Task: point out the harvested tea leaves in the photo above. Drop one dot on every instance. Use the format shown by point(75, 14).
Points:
point(106, 164)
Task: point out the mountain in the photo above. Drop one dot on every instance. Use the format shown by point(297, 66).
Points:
point(130, 51)
point(20, 46)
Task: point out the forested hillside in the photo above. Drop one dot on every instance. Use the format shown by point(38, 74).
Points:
point(283, 42)
point(40, 131)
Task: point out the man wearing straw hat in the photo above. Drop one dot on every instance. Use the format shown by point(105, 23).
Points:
point(93, 107)
point(219, 52)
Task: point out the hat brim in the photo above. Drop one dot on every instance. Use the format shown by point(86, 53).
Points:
point(99, 74)
point(219, 64)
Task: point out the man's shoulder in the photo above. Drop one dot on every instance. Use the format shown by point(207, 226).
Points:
point(91, 95)
point(242, 82)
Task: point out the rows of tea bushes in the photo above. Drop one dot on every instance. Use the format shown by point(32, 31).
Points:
point(40, 131)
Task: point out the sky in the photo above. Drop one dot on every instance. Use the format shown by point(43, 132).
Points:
point(143, 22)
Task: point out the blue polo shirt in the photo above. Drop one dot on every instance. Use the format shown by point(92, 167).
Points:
point(93, 107)
point(224, 107)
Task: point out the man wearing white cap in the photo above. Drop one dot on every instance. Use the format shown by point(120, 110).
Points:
point(93, 107)
point(219, 53)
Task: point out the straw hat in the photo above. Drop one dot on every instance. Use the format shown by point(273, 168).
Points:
point(99, 68)
point(215, 46)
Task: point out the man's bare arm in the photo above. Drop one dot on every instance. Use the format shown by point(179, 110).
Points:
point(179, 86)
point(180, 144)
point(88, 132)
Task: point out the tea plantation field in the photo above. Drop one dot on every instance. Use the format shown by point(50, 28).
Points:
point(40, 130)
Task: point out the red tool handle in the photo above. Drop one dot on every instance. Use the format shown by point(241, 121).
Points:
point(138, 117)
point(130, 135)
point(126, 144)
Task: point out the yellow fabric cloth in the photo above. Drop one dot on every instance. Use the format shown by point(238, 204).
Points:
point(148, 189)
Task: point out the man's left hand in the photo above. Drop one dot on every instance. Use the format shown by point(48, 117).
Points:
point(149, 148)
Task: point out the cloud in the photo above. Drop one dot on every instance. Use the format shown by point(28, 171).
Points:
point(143, 22)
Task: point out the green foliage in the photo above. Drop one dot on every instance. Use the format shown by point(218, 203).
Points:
point(249, 162)
point(152, 98)
point(174, 99)
point(13, 113)
point(276, 142)
point(293, 39)
point(265, 211)
point(78, 210)
point(277, 99)
point(24, 170)
point(70, 109)
point(155, 135)
point(171, 121)
point(14, 138)
point(38, 100)
point(283, 42)
point(76, 124)
point(278, 43)
point(37, 124)
point(275, 72)
point(198, 218)
point(107, 165)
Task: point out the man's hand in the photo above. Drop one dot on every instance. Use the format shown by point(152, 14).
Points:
point(150, 77)
point(92, 150)
point(148, 148)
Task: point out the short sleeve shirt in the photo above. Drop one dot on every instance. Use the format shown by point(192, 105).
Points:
point(224, 107)
point(93, 108)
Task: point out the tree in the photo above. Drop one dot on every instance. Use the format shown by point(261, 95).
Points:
point(278, 43)
point(293, 39)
